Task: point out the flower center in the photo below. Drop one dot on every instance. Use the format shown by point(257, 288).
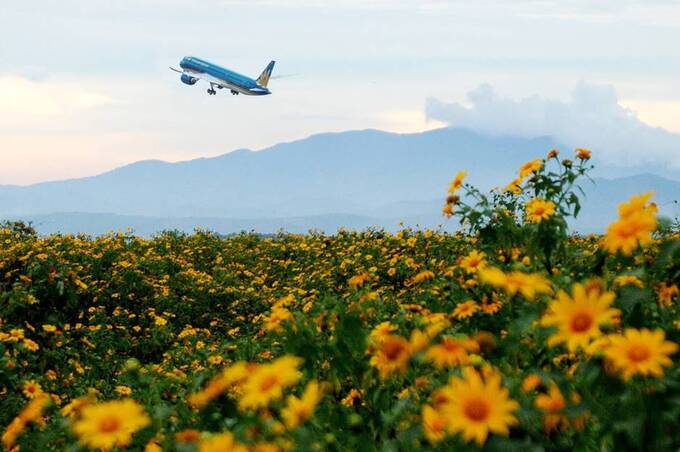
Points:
point(539, 211)
point(581, 322)
point(555, 405)
point(477, 410)
point(392, 350)
point(109, 424)
point(438, 425)
point(451, 345)
point(269, 382)
point(627, 231)
point(638, 353)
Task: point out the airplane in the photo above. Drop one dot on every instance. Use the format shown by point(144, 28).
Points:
point(195, 69)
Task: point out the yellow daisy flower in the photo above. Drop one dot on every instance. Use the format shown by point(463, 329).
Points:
point(31, 389)
point(110, 424)
point(221, 443)
point(538, 210)
point(299, 410)
point(641, 352)
point(457, 182)
point(452, 352)
point(530, 167)
point(267, 382)
point(465, 310)
point(434, 424)
point(578, 317)
point(528, 284)
point(473, 261)
point(476, 407)
point(392, 355)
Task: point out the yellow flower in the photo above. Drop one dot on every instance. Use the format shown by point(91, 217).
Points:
point(642, 352)
point(31, 389)
point(436, 323)
point(422, 276)
point(358, 280)
point(299, 410)
point(74, 408)
point(515, 186)
point(473, 261)
point(578, 317)
point(15, 335)
point(188, 436)
point(637, 221)
point(31, 345)
point(418, 340)
point(626, 234)
point(530, 382)
point(276, 318)
point(349, 399)
point(626, 280)
point(265, 447)
point(434, 424)
point(583, 154)
point(528, 284)
point(153, 446)
point(49, 328)
point(667, 293)
point(530, 167)
point(223, 442)
point(538, 210)
point(12, 432)
point(452, 352)
point(381, 331)
point(215, 360)
point(32, 412)
point(123, 390)
point(110, 424)
point(232, 375)
point(637, 204)
point(465, 310)
point(552, 405)
point(267, 382)
point(475, 407)
point(392, 355)
point(457, 182)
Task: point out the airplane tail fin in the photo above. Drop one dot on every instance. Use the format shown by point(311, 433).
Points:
point(263, 79)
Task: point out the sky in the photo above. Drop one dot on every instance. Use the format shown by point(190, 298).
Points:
point(85, 85)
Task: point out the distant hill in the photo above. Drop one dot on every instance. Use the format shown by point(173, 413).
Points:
point(328, 173)
point(355, 179)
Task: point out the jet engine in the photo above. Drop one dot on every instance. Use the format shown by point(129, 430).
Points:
point(189, 80)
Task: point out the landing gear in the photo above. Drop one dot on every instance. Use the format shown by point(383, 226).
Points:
point(234, 92)
point(211, 91)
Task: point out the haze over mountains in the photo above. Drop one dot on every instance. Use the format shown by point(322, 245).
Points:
point(355, 179)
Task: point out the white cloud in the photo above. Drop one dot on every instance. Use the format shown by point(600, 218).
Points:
point(593, 118)
point(47, 98)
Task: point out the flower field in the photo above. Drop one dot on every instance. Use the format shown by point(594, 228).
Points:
point(511, 335)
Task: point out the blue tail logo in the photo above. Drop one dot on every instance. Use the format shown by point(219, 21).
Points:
point(263, 79)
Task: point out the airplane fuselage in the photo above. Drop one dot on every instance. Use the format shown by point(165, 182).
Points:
point(222, 77)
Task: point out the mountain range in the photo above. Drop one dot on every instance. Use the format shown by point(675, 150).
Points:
point(355, 179)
